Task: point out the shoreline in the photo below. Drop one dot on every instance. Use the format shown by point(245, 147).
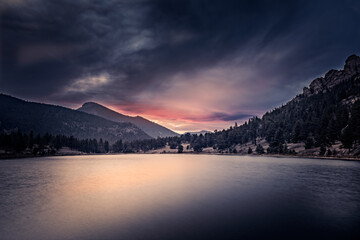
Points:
point(15, 157)
point(270, 155)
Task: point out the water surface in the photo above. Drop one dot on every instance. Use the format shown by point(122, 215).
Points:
point(179, 197)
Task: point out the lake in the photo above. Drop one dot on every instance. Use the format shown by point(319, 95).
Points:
point(179, 196)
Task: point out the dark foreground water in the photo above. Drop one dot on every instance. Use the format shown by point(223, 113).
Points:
point(179, 197)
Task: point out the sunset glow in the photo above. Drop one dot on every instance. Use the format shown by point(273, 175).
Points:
point(168, 61)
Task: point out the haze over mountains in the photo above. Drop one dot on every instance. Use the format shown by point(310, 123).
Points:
point(152, 129)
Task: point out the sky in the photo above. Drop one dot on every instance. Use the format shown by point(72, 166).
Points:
point(186, 64)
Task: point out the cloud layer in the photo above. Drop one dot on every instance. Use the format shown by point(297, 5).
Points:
point(186, 64)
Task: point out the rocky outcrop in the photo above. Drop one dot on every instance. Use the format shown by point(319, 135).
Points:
point(334, 77)
point(352, 65)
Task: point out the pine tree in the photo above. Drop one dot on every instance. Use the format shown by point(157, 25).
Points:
point(354, 123)
point(259, 149)
point(347, 138)
point(180, 148)
point(106, 146)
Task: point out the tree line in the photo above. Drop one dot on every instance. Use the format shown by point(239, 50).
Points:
point(17, 142)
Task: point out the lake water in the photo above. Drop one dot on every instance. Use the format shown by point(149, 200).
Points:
point(179, 197)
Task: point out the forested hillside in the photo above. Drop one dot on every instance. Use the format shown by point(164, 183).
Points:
point(23, 116)
point(326, 114)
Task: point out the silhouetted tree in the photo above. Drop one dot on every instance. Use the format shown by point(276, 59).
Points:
point(180, 148)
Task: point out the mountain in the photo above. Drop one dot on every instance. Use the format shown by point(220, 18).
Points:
point(152, 129)
point(325, 117)
point(322, 115)
point(17, 114)
point(323, 120)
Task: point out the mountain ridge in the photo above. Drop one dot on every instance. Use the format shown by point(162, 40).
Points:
point(152, 129)
point(44, 118)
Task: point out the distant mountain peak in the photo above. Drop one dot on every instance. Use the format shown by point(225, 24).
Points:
point(92, 104)
point(149, 127)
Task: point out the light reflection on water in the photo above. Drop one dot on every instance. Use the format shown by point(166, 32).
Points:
point(178, 197)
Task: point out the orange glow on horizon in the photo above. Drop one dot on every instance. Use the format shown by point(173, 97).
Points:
point(178, 120)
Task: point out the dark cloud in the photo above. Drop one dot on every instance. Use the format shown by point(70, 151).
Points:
point(227, 117)
point(67, 51)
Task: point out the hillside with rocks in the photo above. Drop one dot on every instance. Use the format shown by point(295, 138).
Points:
point(321, 121)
